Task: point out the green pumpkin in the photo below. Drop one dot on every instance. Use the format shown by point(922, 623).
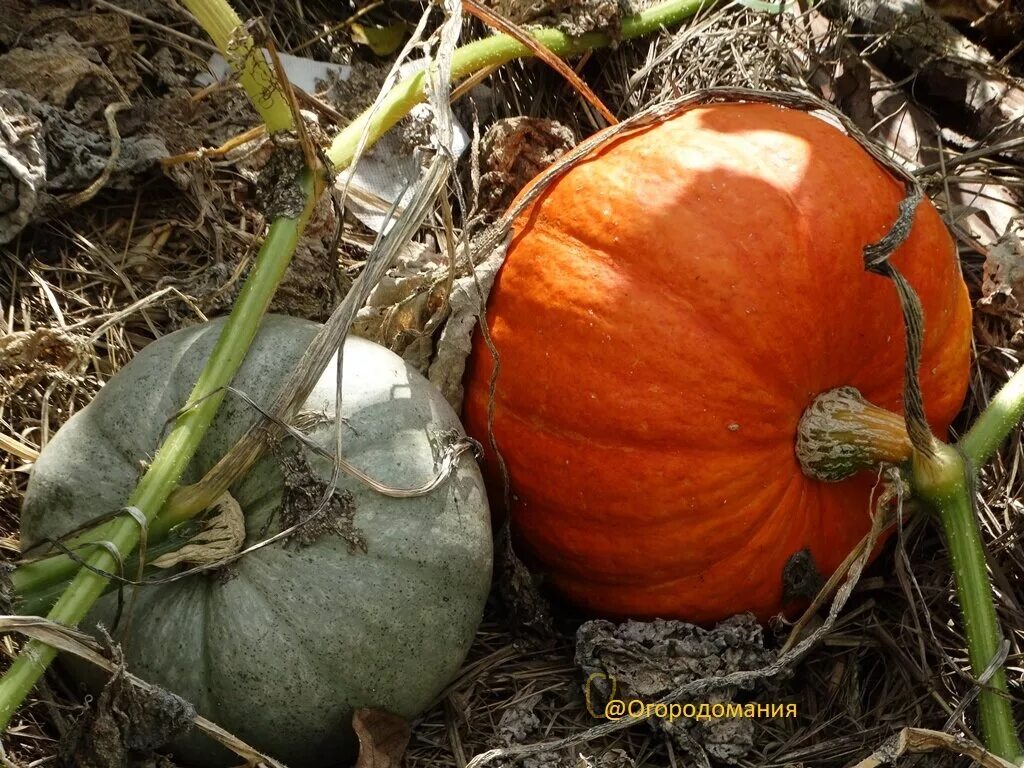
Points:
point(281, 647)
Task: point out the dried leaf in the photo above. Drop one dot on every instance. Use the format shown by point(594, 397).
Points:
point(1002, 286)
point(222, 535)
point(50, 76)
point(383, 738)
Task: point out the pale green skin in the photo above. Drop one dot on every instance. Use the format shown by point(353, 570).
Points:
point(282, 653)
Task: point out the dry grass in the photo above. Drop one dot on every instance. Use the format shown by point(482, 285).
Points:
point(107, 278)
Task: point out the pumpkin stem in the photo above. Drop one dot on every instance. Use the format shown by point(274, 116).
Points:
point(945, 483)
point(841, 434)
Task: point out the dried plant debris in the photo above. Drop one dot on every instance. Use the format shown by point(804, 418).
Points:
point(646, 661)
point(1003, 285)
point(307, 504)
point(526, 609)
point(124, 725)
point(574, 17)
point(520, 724)
point(45, 354)
point(75, 157)
point(949, 71)
point(22, 165)
point(513, 152)
point(382, 736)
point(56, 85)
point(6, 588)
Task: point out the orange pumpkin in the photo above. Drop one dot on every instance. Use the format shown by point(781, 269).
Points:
point(667, 310)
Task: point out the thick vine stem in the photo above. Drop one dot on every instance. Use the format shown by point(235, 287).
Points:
point(943, 482)
point(171, 459)
point(992, 426)
point(841, 434)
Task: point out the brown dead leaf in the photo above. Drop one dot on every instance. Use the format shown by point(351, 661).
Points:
point(1002, 287)
point(105, 36)
point(383, 738)
point(987, 211)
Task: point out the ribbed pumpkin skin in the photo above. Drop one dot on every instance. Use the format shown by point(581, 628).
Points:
point(667, 310)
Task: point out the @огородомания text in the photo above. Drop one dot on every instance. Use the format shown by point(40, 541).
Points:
point(619, 708)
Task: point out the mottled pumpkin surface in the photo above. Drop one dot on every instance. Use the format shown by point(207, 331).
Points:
point(667, 310)
point(283, 645)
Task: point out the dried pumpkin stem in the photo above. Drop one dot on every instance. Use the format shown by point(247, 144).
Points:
point(841, 434)
point(944, 482)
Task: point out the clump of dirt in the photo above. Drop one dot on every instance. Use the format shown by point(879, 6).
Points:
point(304, 493)
point(278, 192)
point(513, 152)
point(187, 124)
point(350, 96)
point(125, 724)
point(647, 661)
point(45, 354)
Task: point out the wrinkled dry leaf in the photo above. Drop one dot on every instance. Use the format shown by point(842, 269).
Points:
point(513, 152)
point(649, 660)
point(1002, 287)
point(987, 212)
point(221, 536)
point(383, 738)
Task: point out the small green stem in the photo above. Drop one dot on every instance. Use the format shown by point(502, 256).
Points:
point(993, 425)
point(942, 482)
point(174, 454)
point(225, 28)
point(492, 51)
